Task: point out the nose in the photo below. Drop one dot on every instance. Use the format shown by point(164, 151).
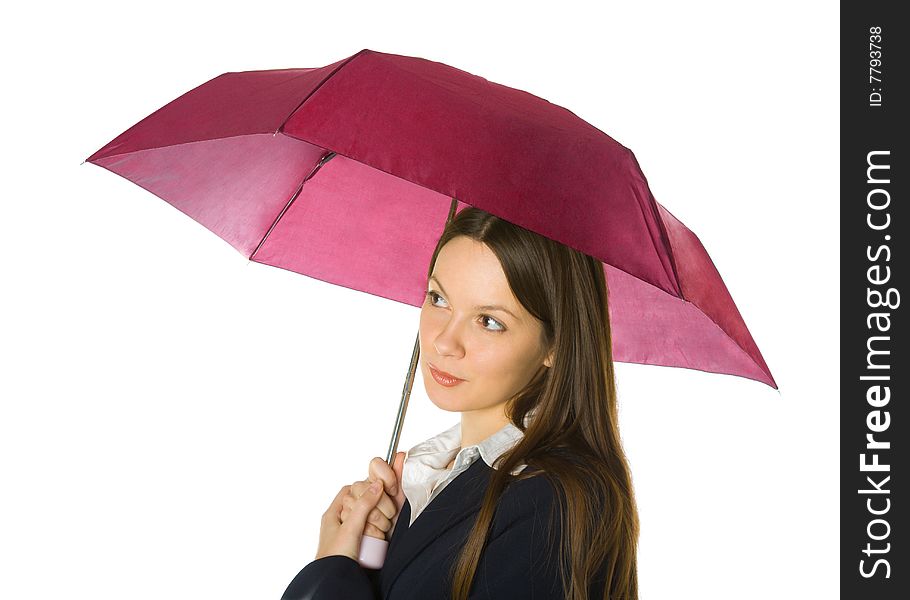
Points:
point(448, 342)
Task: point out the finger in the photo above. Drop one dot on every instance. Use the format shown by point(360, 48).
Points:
point(379, 520)
point(359, 487)
point(387, 506)
point(352, 528)
point(342, 493)
point(348, 500)
point(381, 470)
point(333, 512)
point(372, 531)
point(350, 503)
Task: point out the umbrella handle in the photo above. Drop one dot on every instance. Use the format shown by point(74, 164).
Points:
point(372, 552)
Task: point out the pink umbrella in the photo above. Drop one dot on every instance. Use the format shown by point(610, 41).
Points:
point(295, 167)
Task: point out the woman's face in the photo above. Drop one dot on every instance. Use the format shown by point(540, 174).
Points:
point(495, 351)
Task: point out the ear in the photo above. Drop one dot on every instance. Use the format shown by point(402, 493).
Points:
point(548, 361)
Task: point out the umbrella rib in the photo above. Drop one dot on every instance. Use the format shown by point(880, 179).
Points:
point(316, 89)
point(325, 158)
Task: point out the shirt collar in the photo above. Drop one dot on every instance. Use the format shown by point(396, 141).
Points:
point(440, 449)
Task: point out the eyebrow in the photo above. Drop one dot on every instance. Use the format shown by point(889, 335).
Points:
point(484, 307)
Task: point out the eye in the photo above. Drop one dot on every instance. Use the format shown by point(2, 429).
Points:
point(500, 328)
point(498, 324)
point(431, 295)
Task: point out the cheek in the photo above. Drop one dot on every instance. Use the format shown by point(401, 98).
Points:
point(509, 363)
point(493, 359)
point(429, 322)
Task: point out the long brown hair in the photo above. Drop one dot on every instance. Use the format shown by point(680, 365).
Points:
point(573, 438)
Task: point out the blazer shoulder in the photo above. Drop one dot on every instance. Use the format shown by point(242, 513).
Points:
point(529, 502)
point(539, 487)
point(539, 482)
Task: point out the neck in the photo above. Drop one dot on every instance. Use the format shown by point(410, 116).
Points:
point(478, 425)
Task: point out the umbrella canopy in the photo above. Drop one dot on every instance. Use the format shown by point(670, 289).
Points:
point(346, 173)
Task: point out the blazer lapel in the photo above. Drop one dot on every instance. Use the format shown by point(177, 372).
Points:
point(456, 502)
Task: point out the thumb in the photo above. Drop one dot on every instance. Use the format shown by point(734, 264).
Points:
point(398, 467)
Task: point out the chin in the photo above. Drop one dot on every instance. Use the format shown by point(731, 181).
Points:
point(441, 399)
point(447, 408)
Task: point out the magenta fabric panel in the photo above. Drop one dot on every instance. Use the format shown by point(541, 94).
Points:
point(362, 229)
point(502, 150)
point(702, 286)
point(229, 105)
point(652, 327)
point(235, 187)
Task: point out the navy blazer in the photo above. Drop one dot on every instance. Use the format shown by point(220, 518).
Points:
point(518, 562)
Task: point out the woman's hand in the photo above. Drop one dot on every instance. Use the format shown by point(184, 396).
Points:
point(343, 538)
point(391, 480)
point(357, 510)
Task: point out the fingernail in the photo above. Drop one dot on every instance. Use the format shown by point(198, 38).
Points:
point(375, 487)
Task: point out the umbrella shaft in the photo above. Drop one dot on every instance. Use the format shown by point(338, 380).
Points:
point(403, 406)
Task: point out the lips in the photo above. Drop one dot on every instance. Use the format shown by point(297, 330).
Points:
point(444, 378)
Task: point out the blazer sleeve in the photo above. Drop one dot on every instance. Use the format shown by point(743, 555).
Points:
point(520, 559)
point(333, 577)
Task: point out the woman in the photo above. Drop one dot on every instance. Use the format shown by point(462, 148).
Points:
point(530, 496)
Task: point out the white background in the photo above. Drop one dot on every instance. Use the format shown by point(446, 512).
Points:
point(175, 419)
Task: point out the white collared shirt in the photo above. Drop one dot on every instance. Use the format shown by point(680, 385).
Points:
point(424, 474)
